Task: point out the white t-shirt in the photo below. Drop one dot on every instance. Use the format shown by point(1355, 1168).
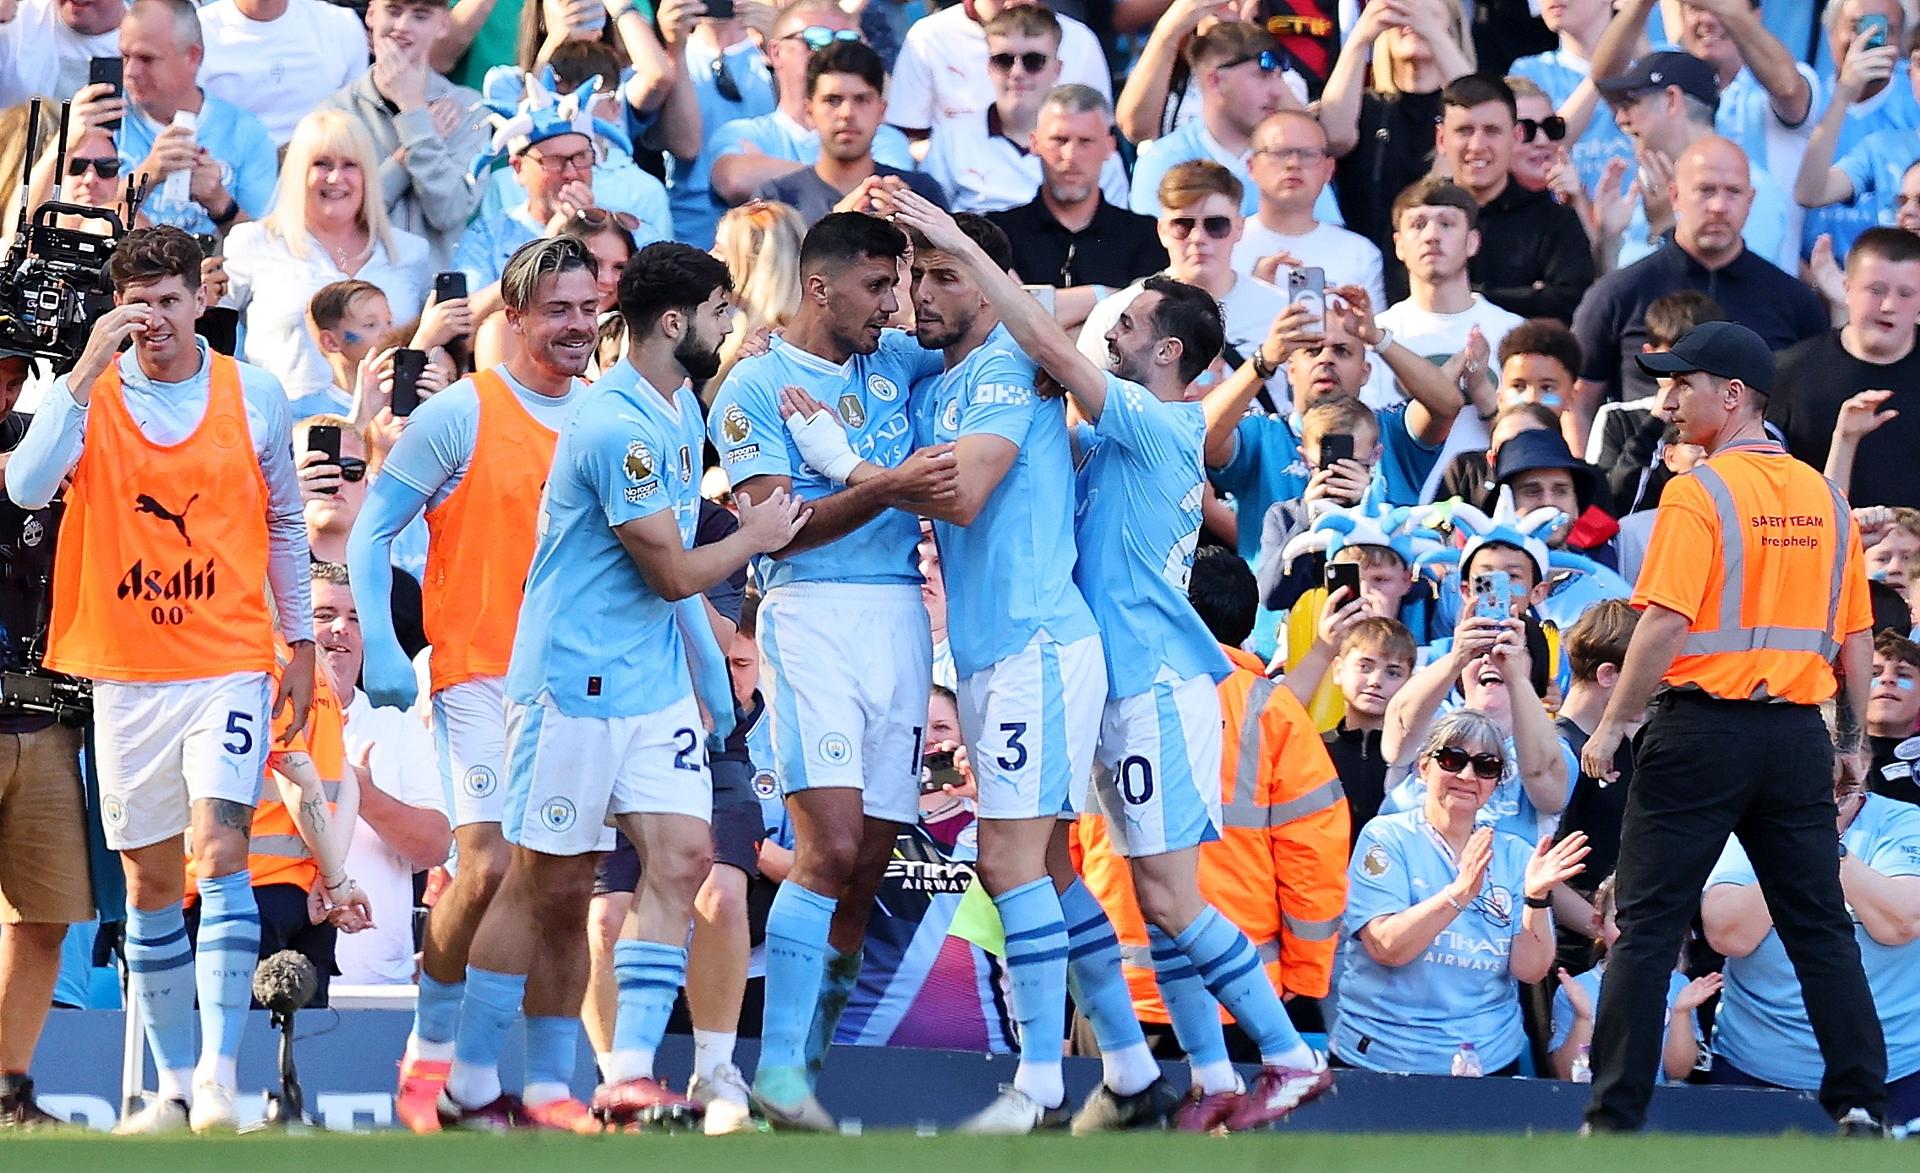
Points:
point(40, 55)
point(1438, 337)
point(983, 172)
point(1249, 309)
point(404, 767)
point(942, 69)
point(1348, 257)
point(280, 70)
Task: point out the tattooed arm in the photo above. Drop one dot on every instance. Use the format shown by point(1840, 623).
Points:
point(327, 830)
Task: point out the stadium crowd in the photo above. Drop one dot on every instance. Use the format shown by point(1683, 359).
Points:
point(824, 521)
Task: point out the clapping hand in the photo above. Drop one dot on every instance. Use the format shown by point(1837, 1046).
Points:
point(1471, 873)
point(1860, 416)
point(1554, 864)
point(1696, 992)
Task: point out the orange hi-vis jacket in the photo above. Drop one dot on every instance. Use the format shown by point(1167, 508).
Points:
point(1759, 552)
point(481, 539)
point(161, 568)
point(276, 854)
point(1278, 870)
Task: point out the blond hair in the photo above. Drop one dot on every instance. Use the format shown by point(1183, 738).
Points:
point(1382, 63)
point(326, 132)
point(760, 243)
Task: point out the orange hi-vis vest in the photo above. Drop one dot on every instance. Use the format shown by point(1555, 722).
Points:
point(1759, 552)
point(276, 854)
point(1278, 870)
point(481, 539)
point(161, 569)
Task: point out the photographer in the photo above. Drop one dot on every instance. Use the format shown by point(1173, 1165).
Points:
point(182, 484)
point(44, 885)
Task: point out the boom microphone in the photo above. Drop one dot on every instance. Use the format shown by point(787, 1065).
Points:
point(285, 982)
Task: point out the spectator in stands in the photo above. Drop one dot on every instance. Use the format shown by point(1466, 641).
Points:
point(942, 69)
point(846, 84)
point(1874, 352)
point(424, 129)
point(987, 164)
point(1071, 237)
point(1437, 941)
point(226, 152)
point(1561, 71)
point(1543, 262)
point(1540, 158)
point(1278, 869)
point(759, 243)
point(748, 152)
point(1257, 457)
point(1468, 476)
point(1539, 360)
point(1761, 1035)
point(1892, 540)
point(1200, 222)
point(1574, 1001)
point(1766, 92)
point(44, 883)
point(1374, 662)
point(1629, 438)
point(1291, 167)
point(1436, 237)
point(617, 181)
point(325, 226)
point(1544, 473)
point(1712, 198)
point(1849, 178)
point(95, 176)
point(1665, 103)
point(1384, 139)
point(403, 817)
point(1893, 715)
point(332, 496)
point(280, 59)
point(45, 48)
point(1237, 65)
point(345, 320)
point(1162, 91)
point(729, 79)
point(1596, 648)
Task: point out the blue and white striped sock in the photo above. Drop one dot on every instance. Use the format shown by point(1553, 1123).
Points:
point(649, 975)
point(160, 975)
point(1232, 972)
point(225, 955)
point(493, 1001)
point(1195, 1015)
point(1037, 972)
point(1100, 991)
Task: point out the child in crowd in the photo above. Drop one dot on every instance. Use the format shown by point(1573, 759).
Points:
point(1893, 716)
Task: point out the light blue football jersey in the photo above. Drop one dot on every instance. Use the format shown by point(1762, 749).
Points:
point(1009, 574)
point(593, 635)
point(1508, 809)
point(870, 394)
point(1138, 526)
point(1412, 1018)
point(1561, 1023)
point(1762, 1026)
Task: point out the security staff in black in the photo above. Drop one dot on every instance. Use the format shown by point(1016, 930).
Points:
point(1754, 597)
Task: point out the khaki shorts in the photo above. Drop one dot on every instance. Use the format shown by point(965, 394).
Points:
point(43, 829)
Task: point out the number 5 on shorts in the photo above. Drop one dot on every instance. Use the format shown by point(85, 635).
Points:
point(239, 740)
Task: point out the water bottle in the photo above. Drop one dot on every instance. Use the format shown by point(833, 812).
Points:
point(1466, 1062)
point(1583, 1065)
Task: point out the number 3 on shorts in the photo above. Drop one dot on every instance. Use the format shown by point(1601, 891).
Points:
point(239, 740)
point(1017, 755)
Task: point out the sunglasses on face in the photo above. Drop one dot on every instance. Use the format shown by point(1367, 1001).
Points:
point(1268, 59)
point(1031, 62)
point(352, 470)
point(107, 167)
point(600, 217)
point(1217, 227)
point(1488, 767)
point(819, 36)
point(1553, 126)
point(723, 83)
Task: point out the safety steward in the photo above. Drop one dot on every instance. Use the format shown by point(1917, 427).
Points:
point(1754, 612)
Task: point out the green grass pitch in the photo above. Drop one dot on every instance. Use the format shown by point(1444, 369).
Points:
point(905, 1153)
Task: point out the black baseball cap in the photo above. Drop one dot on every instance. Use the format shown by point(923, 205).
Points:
point(1726, 350)
point(1657, 71)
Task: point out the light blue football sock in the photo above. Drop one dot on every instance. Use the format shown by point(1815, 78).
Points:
point(1232, 972)
point(1194, 1013)
point(1037, 972)
point(160, 978)
point(1100, 991)
point(225, 954)
point(797, 925)
point(493, 1001)
point(649, 974)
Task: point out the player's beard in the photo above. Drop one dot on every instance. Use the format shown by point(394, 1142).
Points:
point(697, 357)
point(944, 333)
point(1130, 366)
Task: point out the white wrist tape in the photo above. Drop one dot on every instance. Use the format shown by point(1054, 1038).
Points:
point(823, 444)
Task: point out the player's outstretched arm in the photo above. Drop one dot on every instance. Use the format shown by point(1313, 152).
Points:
point(390, 507)
point(674, 572)
point(1031, 324)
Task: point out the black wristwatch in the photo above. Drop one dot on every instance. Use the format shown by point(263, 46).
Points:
point(1542, 902)
point(1843, 849)
point(1260, 365)
point(222, 219)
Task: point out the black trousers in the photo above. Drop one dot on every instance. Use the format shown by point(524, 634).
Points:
point(1703, 769)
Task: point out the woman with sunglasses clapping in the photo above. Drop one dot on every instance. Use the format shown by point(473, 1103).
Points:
point(1445, 918)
